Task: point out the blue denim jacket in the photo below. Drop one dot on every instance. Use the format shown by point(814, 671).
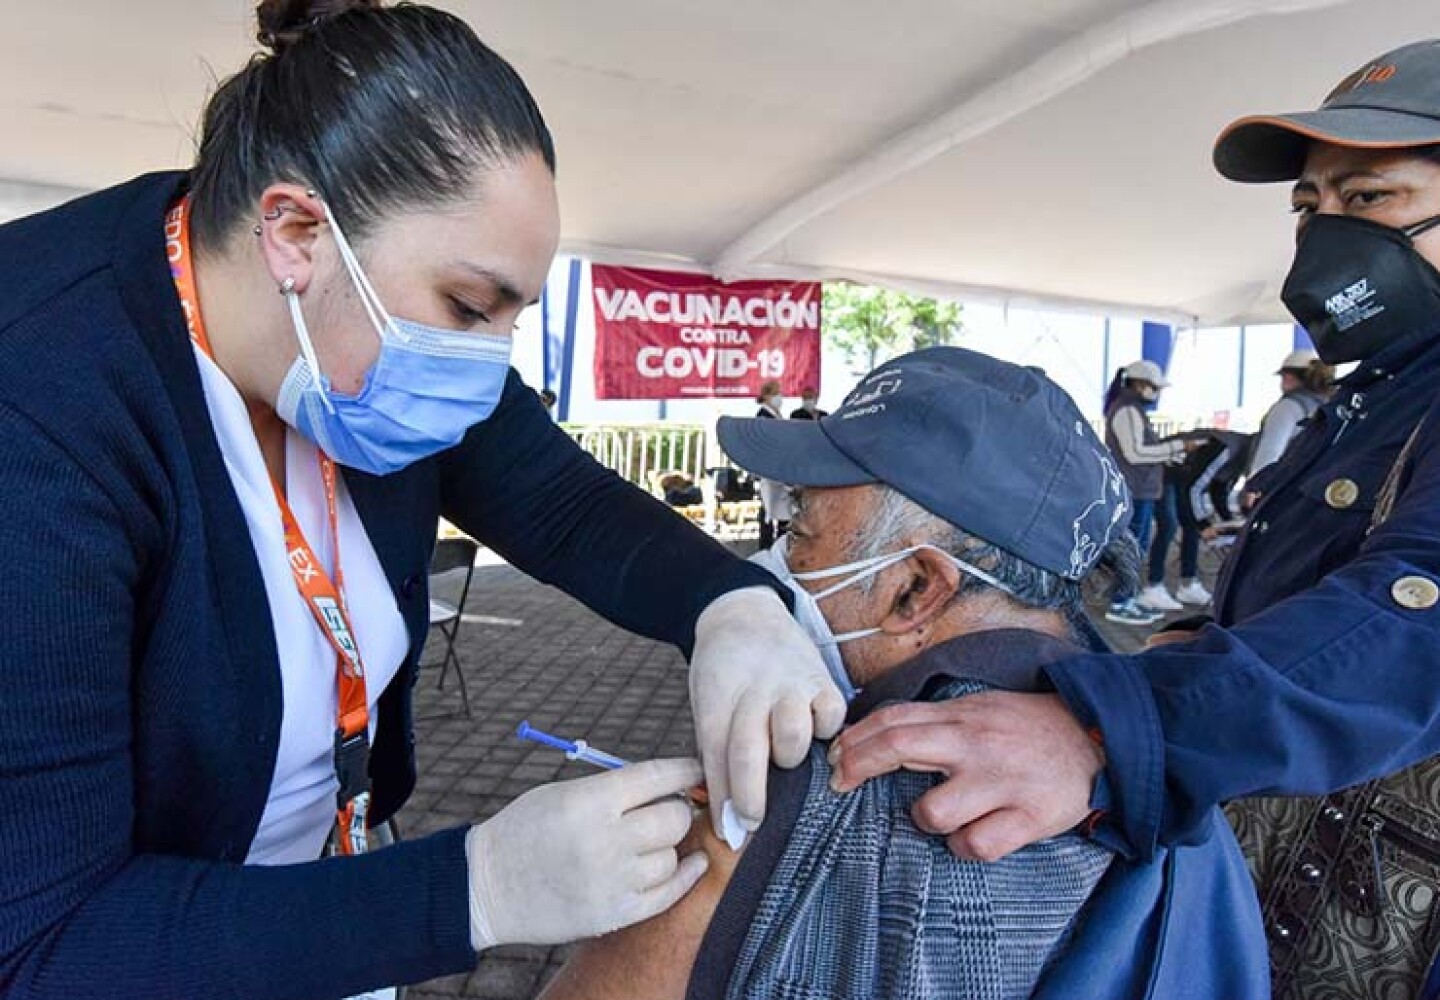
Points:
point(1323, 670)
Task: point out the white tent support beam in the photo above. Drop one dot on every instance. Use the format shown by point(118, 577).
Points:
point(598, 253)
point(1062, 68)
point(979, 294)
point(19, 198)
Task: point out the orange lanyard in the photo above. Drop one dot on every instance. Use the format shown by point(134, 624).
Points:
point(324, 598)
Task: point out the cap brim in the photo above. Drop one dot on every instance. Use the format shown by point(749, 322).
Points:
point(1268, 148)
point(796, 452)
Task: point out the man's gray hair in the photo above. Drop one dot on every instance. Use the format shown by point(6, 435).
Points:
point(895, 522)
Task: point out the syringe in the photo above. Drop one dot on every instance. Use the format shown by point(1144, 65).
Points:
point(578, 750)
point(730, 827)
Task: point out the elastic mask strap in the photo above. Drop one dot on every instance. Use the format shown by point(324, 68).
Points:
point(841, 570)
point(878, 564)
point(977, 573)
point(307, 349)
point(858, 634)
point(379, 318)
point(1421, 228)
point(857, 570)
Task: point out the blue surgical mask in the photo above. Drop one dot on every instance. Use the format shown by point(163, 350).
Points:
point(427, 388)
point(807, 605)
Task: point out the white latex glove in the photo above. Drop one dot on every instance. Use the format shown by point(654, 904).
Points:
point(581, 858)
point(758, 689)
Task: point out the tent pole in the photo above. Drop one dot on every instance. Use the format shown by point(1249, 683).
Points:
point(572, 308)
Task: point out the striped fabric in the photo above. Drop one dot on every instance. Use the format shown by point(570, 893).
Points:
point(864, 905)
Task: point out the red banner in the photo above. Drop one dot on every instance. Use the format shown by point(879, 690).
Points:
point(666, 335)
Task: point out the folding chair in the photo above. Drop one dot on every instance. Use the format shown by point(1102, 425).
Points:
point(451, 568)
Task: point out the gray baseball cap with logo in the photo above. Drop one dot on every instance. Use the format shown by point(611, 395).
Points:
point(1392, 102)
point(997, 450)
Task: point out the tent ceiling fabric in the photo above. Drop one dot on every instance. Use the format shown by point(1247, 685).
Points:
point(1049, 151)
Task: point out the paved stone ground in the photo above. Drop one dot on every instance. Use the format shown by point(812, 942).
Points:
point(567, 671)
point(530, 652)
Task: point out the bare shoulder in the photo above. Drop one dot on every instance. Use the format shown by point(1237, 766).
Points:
point(653, 959)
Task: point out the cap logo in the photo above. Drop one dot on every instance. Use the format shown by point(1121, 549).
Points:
point(864, 401)
point(1374, 73)
point(1089, 538)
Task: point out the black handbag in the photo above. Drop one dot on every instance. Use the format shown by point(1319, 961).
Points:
point(1350, 883)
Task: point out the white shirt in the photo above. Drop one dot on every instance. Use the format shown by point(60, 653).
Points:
point(300, 808)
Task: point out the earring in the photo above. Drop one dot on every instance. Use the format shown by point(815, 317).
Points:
point(257, 230)
point(287, 286)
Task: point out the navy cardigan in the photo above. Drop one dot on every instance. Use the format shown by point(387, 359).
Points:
point(140, 695)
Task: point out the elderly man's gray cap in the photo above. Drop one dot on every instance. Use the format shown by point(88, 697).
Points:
point(997, 450)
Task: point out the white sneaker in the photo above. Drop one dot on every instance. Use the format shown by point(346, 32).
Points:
point(1130, 613)
point(1193, 592)
point(1156, 598)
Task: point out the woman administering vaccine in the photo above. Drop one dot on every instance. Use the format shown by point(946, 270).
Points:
point(235, 401)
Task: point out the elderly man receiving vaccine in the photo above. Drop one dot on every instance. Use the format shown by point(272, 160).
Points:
point(950, 517)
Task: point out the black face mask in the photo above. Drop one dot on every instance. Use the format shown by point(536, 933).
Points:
point(1357, 286)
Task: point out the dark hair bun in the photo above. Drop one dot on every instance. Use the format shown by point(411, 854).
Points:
point(285, 22)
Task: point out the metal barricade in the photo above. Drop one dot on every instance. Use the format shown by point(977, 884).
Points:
point(642, 453)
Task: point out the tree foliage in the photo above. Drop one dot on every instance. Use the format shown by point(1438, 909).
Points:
point(872, 325)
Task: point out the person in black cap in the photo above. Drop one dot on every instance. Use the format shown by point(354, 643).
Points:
point(1321, 670)
point(950, 516)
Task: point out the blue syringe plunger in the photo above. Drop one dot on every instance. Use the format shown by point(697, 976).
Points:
point(528, 732)
point(578, 750)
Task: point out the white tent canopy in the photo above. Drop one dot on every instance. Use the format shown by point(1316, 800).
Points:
point(1051, 152)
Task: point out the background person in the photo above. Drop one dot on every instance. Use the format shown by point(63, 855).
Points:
point(1306, 383)
point(679, 490)
point(1206, 485)
point(775, 508)
point(1142, 457)
point(1171, 520)
point(809, 408)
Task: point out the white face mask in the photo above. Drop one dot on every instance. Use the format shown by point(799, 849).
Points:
point(775, 402)
point(807, 607)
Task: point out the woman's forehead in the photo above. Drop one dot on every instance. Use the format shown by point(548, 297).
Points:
point(505, 233)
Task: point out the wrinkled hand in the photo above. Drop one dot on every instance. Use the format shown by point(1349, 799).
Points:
point(1019, 767)
point(581, 858)
point(1171, 637)
point(758, 689)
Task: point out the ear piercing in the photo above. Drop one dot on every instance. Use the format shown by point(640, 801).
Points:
point(287, 286)
point(269, 216)
point(274, 214)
